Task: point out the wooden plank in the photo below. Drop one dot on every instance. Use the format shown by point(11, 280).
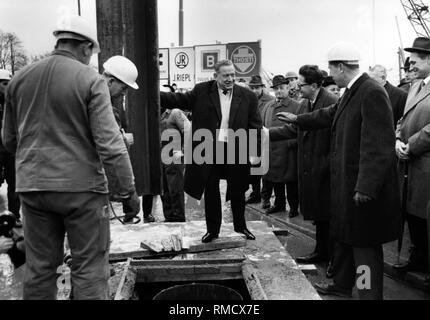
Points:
point(253, 283)
point(126, 285)
point(158, 278)
point(196, 262)
point(219, 244)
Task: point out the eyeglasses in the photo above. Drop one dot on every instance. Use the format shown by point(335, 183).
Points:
point(300, 85)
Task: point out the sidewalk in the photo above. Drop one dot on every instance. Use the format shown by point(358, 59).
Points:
point(416, 280)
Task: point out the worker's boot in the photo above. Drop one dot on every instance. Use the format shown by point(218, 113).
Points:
point(148, 218)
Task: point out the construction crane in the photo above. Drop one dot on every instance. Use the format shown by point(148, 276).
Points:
point(419, 16)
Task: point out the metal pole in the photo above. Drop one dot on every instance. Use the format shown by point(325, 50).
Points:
point(79, 7)
point(181, 22)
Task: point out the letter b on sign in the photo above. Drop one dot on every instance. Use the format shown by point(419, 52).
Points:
point(209, 60)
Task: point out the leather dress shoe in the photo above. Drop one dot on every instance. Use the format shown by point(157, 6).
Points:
point(248, 234)
point(330, 271)
point(332, 290)
point(266, 205)
point(209, 237)
point(253, 200)
point(149, 219)
point(312, 259)
point(274, 209)
point(411, 267)
point(293, 213)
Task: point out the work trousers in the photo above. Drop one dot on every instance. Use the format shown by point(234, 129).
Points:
point(279, 189)
point(419, 239)
point(348, 259)
point(85, 218)
point(7, 165)
point(173, 197)
point(213, 201)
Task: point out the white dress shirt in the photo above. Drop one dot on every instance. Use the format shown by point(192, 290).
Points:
point(225, 100)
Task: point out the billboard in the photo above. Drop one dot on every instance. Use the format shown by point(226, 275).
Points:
point(246, 58)
point(206, 58)
point(182, 67)
point(163, 55)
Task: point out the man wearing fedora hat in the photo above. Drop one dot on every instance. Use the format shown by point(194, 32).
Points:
point(292, 79)
point(282, 172)
point(413, 147)
point(410, 76)
point(257, 86)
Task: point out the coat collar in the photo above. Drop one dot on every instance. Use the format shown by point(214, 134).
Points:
point(235, 101)
point(64, 53)
point(414, 98)
point(348, 95)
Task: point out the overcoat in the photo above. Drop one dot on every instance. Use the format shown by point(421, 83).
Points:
point(204, 102)
point(283, 154)
point(362, 159)
point(313, 160)
point(414, 129)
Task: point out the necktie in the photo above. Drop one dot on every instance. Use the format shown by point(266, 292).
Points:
point(225, 92)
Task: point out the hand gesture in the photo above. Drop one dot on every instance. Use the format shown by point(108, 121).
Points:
point(361, 199)
point(402, 150)
point(287, 117)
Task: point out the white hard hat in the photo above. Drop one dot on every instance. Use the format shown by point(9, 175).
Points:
point(123, 69)
point(78, 28)
point(5, 75)
point(346, 52)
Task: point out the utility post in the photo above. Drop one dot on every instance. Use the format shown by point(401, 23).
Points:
point(181, 23)
point(130, 27)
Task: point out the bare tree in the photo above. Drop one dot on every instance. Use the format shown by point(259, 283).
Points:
point(12, 54)
point(38, 57)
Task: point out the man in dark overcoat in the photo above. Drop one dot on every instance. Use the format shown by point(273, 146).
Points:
point(313, 161)
point(365, 195)
point(218, 107)
point(396, 95)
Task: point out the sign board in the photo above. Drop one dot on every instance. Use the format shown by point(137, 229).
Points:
point(206, 58)
point(182, 67)
point(246, 58)
point(164, 63)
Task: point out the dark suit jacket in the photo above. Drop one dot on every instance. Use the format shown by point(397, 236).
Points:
point(398, 99)
point(204, 102)
point(362, 160)
point(313, 160)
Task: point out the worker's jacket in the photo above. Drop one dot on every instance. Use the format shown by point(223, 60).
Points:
point(59, 121)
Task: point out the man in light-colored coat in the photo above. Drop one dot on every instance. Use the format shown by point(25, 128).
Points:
point(413, 147)
point(59, 121)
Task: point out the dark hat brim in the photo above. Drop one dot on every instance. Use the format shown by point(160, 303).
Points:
point(417, 50)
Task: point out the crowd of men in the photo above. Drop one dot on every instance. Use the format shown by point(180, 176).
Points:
point(348, 151)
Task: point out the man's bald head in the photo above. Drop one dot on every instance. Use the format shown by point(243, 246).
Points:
point(379, 74)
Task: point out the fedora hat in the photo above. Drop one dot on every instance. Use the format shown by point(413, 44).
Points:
point(256, 81)
point(421, 44)
point(407, 64)
point(278, 80)
point(291, 75)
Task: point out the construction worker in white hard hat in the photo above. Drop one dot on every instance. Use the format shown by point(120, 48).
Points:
point(120, 74)
point(365, 194)
point(7, 160)
point(70, 156)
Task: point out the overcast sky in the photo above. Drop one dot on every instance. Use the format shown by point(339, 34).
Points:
point(293, 32)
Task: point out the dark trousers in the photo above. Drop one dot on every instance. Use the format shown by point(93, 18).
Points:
point(348, 259)
point(173, 197)
point(419, 239)
point(85, 218)
point(428, 236)
point(279, 189)
point(7, 165)
point(213, 202)
point(324, 245)
point(147, 202)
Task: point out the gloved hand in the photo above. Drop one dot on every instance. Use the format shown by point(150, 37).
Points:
point(131, 207)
